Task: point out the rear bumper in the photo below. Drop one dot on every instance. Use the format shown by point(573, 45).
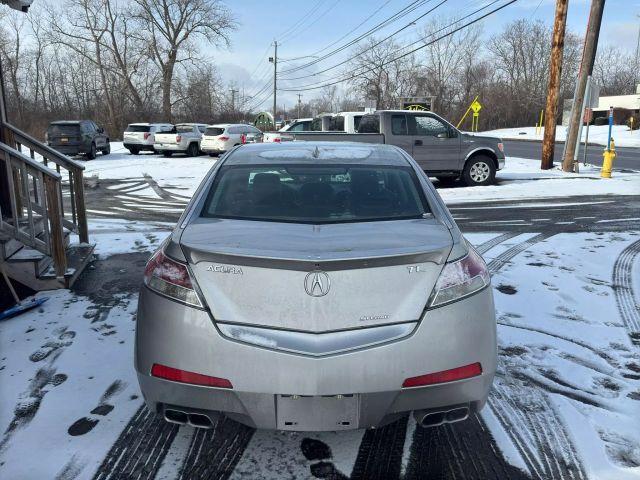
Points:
point(71, 149)
point(139, 146)
point(169, 147)
point(448, 337)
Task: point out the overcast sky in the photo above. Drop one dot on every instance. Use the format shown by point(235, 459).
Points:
point(300, 33)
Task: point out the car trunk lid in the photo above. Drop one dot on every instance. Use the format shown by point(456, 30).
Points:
point(316, 278)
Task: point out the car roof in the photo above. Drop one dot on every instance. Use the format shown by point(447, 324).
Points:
point(318, 153)
point(67, 122)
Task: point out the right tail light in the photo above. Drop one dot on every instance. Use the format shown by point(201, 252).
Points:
point(460, 279)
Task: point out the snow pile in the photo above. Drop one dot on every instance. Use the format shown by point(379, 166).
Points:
point(622, 135)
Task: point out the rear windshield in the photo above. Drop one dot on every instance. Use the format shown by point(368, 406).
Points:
point(315, 194)
point(64, 129)
point(138, 128)
point(183, 129)
point(214, 131)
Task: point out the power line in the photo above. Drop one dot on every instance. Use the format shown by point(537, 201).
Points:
point(350, 77)
point(371, 46)
point(291, 29)
point(399, 14)
point(445, 27)
point(352, 30)
point(315, 20)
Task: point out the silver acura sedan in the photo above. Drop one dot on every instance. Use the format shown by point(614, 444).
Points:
point(315, 286)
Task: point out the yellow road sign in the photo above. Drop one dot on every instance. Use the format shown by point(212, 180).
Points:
point(475, 106)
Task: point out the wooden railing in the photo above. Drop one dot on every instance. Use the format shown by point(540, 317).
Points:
point(46, 195)
point(73, 210)
point(35, 194)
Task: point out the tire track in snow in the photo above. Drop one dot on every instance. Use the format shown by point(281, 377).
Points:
point(380, 452)
point(214, 453)
point(622, 281)
point(139, 450)
point(527, 415)
point(460, 450)
point(489, 244)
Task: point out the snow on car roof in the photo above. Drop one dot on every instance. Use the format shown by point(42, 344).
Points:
point(324, 152)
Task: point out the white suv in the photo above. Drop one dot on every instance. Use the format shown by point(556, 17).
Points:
point(219, 138)
point(139, 137)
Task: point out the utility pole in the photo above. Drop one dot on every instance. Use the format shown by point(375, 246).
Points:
point(637, 59)
point(586, 69)
point(299, 103)
point(274, 60)
point(233, 101)
point(555, 69)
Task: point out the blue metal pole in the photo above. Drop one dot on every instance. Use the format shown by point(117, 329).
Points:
point(610, 128)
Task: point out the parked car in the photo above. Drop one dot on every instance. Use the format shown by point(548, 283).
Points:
point(219, 138)
point(183, 138)
point(78, 137)
point(140, 137)
point(299, 125)
point(440, 149)
point(270, 302)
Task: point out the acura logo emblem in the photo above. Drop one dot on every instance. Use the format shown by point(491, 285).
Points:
point(317, 283)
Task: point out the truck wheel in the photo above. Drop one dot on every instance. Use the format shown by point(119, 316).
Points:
point(479, 170)
point(167, 153)
point(193, 150)
point(134, 151)
point(92, 152)
point(107, 149)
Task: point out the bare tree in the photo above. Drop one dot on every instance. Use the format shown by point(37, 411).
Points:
point(377, 76)
point(446, 61)
point(171, 28)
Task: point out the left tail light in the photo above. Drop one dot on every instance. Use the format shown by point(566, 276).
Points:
point(501, 147)
point(171, 279)
point(178, 138)
point(243, 138)
point(460, 279)
point(146, 135)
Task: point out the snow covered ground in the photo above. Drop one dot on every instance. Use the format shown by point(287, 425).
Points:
point(69, 386)
point(622, 135)
point(520, 179)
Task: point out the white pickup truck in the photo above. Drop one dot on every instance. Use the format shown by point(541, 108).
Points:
point(346, 122)
point(183, 138)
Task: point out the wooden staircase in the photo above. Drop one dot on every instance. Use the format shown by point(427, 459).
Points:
point(44, 240)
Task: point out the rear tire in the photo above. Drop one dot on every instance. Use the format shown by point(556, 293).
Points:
point(134, 151)
point(167, 153)
point(92, 152)
point(213, 154)
point(479, 170)
point(107, 149)
point(193, 150)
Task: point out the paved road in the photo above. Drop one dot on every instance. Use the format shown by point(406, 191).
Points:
point(627, 157)
point(600, 213)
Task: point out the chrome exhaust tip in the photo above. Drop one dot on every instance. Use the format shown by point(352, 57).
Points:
point(176, 416)
point(430, 418)
point(199, 420)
